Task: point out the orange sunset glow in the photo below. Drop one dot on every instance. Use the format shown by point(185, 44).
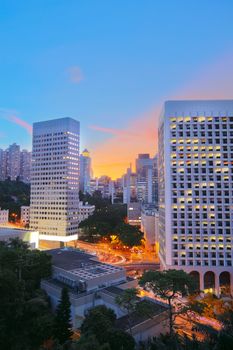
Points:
point(114, 156)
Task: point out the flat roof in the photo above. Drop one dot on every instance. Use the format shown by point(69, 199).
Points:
point(80, 264)
point(70, 259)
point(198, 107)
point(7, 231)
point(136, 318)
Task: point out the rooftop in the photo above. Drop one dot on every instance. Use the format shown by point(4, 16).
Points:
point(81, 264)
point(70, 259)
point(198, 107)
point(136, 318)
point(8, 231)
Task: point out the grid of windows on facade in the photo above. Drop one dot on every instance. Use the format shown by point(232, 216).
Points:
point(161, 197)
point(55, 182)
point(201, 160)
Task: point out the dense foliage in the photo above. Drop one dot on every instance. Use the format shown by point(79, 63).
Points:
point(107, 220)
point(99, 325)
point(27, 323)
point(169, 285)
point(14, 194)
point(25, 317)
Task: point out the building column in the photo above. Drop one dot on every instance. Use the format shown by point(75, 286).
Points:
point(231, 283)
point(201, 274)
point(217, 288)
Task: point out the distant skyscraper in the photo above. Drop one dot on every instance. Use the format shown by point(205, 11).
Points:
point(195, 191)
point(129, 187)
point(3, 164)
point(25, 166)
point(15, 164)
point(85, 171)
point(13, 161)
point(146, 170)
point(55, 179)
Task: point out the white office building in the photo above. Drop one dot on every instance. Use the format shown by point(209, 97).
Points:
point(55, 179)
point(196, 191)
point(28, 236)
point(25, 215)
point(85, 210)
point(149, 226)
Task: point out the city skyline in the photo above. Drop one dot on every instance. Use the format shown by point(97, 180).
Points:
point(97, 64)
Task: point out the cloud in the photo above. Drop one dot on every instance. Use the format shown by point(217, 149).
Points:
point(75, 74)
point(12, 117)
point(213, 81)
point(113, 156)
point(21, 123)
point(112, 131)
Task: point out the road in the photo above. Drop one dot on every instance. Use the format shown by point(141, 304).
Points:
point(142, 260)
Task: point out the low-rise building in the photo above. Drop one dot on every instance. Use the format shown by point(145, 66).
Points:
point(4, 216)
point(149, 226)
point(91, 283)
point(29, 236)
point(25, 215)
point(85, 210)
point(134, 213)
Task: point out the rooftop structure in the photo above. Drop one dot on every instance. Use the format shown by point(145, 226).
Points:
point(91, 283)
point(82, 271)
point(31, 237)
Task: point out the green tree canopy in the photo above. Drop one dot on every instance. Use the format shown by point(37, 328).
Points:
point(168, 285)
point(129, 235)
point(14, 194)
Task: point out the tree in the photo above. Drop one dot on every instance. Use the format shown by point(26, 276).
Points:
point(168, 285)
point(89, 342)
point(120, 340)
point(128, 301)
point(97, 319)
point(129, 235)
point(103, 222)
point(99, 327)
point(14, 194)
point(62, 322)
point(25, 320)
point(28, 265)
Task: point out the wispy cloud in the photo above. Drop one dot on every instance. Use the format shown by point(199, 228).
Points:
point(11, 116)
point(21, 123)
point(75, 74)
point(114, 155)
point(113, 131)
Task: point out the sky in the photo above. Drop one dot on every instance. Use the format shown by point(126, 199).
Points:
point(109, 64)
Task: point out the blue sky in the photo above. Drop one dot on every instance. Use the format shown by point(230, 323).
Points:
point(103, 62)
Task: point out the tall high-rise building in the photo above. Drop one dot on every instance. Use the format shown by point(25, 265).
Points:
point(3, 164)
point(15, 164)
point(55, 179)
point(147, 185)
point(129, 186)
point(13, 161)
point(196, 191)
point(85, 171)
point(25, 166)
